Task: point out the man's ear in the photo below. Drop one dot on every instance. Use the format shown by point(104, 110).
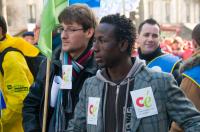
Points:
point(195, 44)
point(89, 32)
point(123, 46)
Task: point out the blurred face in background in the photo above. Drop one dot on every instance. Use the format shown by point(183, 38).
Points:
point(148, 38)
point(29, 38)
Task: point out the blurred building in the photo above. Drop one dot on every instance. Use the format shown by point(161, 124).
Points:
point(178, 16)
point(171, 11)
point(21, 14)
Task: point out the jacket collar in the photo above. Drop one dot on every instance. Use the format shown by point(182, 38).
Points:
point(90, 67)
point(150, 56)
point(191, 62)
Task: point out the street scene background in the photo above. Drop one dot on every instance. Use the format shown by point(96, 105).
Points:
point(177, 18)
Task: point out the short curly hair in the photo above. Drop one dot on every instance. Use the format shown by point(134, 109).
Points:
point(124, 28)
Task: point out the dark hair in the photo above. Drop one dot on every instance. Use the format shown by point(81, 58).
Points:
point(196, 33)
point(79, 13)
point(149, 21)
point(3, 25)
point(124, 28)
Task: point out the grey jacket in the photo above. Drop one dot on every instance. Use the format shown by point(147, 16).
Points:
point(170, 101)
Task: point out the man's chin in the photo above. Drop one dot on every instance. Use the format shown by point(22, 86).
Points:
point(65, 49)
point(149, 51)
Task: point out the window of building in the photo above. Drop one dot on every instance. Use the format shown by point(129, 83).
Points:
point(167, 10)
point(188, 18)
point(31, 13)
point(150, 3)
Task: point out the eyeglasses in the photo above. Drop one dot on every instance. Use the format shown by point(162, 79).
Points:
point(69, 30)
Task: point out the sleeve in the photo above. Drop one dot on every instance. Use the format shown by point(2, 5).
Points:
point(191, 90)
point(78, 123)
point(17, 79)
point(180, 109)
point(33, 101)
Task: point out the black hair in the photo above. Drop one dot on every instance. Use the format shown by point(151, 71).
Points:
point(196, 33)
point(3, 25)
point(149, 21)
point(124, 28)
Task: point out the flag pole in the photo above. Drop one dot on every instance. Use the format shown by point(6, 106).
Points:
point(45, 113)
point(50, 13)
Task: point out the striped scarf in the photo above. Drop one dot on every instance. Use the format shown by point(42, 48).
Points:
point(77, 67)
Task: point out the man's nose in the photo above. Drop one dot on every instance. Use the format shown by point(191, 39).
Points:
point(150, 37)
point(64, 35)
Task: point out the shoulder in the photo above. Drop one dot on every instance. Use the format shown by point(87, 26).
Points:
point(92, 86)
point(150, 74)
point(14, 56)
point(160, 80)
point(170, 58)
point(191, 62)
point(187, 83)
point(92, 80)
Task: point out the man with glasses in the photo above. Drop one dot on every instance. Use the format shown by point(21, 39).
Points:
point(71, 65)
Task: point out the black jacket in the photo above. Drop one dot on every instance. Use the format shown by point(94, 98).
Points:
point(34, 102)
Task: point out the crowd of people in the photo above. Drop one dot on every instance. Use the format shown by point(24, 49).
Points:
point(178, 46)
point(174, 45)
point(104, 77)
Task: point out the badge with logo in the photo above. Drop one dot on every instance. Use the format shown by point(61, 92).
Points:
point(93, 107)
point(66, 77)
point(144, 102)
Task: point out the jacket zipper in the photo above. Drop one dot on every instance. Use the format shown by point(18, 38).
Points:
point(116, 111)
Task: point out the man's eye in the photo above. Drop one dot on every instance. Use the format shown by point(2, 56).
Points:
point(146, 35)
point(101, 41)
point(60, 30)
point(154, 35)
point(71, 30)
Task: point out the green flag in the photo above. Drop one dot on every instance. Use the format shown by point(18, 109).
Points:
point(49, 19)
